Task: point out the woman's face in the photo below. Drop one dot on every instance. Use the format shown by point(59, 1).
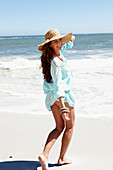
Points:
point(56, 45)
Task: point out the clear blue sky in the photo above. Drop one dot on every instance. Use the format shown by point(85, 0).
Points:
point(33, 17)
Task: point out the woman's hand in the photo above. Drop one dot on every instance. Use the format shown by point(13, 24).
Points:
point(73, 38)
point(65, 117)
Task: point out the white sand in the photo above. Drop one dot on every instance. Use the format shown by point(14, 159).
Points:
point(23, 136)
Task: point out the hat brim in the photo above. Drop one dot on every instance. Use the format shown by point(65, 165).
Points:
point(65, 39)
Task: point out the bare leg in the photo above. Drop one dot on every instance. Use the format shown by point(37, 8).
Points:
point(43, 158)
point(67, 137)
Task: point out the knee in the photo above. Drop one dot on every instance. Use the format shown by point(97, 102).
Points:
point(60, 128)
point(70, 127)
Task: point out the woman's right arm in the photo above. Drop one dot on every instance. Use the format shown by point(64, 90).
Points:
point(61, 102)
point(59, 88)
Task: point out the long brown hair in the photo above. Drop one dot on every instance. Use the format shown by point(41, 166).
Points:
point(46, 57)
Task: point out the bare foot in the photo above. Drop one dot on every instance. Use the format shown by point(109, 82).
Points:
point(44, 162)
point(64, 161)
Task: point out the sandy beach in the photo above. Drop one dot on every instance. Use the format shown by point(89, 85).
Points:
point(22, 137)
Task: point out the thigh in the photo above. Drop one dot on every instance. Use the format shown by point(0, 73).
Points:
point(71, 122)
point(58, 118)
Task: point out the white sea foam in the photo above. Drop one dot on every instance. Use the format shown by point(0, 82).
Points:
point(21, 87)
point(19, 37)
point(90, 53)
point(9, 38)
point(19, 63)
point(93, 86)
point(72, 51)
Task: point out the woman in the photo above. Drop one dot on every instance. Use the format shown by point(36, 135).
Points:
point(57, 87)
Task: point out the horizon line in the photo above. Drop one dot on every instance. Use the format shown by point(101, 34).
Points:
point(43, 34)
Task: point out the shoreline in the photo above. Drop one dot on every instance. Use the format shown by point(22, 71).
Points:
point(48, 113)
point(42, 35)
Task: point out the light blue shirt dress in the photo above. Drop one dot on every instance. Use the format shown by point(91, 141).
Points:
point(61, 80)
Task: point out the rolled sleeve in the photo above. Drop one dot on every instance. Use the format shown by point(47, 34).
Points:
point(67, 46)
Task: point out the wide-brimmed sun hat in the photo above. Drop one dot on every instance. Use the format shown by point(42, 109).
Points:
point(53, 35)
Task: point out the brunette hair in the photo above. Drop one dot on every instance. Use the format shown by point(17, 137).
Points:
point(46, 57)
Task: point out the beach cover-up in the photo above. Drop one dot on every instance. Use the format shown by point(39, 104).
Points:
point(61, 80)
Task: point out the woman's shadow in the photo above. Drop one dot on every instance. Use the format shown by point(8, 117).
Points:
point(22, 165)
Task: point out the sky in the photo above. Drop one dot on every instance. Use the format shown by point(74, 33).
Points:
point(35, 17)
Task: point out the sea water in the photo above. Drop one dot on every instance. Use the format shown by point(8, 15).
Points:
point(21, 80)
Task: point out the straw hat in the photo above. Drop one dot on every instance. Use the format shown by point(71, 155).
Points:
point(53, 35)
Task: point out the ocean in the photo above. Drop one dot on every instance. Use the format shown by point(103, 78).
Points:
point(21, 80)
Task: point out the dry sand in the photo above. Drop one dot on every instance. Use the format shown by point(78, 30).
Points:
point(22, 137)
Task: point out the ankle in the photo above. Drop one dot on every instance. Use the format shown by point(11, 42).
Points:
point(61, 158)
point(64, 160)
point(45, 155)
